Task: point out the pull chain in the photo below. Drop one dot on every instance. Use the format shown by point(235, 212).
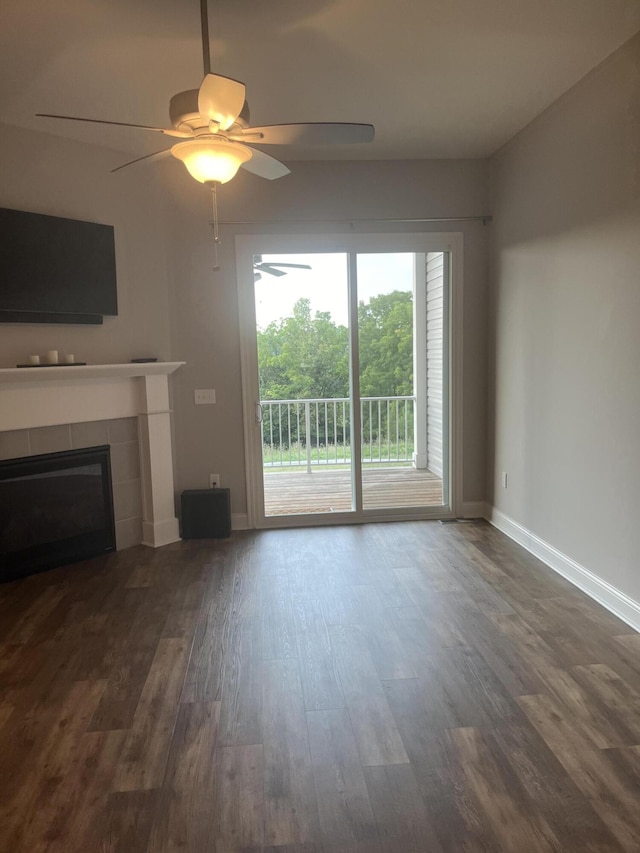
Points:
point(216, 235)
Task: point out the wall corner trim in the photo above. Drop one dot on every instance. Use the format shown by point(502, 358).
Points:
point(239, 521)
point(474, 509)
point(610, 597)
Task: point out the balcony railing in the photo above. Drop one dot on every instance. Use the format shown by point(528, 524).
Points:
point(317, 432)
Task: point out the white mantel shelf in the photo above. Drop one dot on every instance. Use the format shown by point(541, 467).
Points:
point(87, 371)
point(46, 396)
point(33, 397)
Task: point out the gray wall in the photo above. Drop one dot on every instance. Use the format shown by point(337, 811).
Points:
point(171, 303)
point(566, 293)
point(46, 174)
point(204, 308)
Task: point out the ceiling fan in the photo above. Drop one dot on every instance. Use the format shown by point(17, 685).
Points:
point(273, 267)
point(213, 125)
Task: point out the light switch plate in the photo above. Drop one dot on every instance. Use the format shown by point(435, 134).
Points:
point(204, 396)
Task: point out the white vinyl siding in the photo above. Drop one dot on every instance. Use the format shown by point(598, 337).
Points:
point(435, 361)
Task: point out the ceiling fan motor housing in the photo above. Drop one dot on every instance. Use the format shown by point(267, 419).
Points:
point(183, 110)
point(184, 115)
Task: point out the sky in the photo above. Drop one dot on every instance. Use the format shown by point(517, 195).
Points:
point(325, 284)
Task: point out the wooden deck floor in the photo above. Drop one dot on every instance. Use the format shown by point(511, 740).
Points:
point(383, 688)
point(297, 493)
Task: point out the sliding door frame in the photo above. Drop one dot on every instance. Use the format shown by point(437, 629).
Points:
point(248, 245)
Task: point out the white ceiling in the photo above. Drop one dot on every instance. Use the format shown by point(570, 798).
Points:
point(437, 78)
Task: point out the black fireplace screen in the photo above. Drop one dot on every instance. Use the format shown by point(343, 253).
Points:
point(55, 508)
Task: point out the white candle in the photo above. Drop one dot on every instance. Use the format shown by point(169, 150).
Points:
point(52, 356)
point(34, 359)
point(69, 358)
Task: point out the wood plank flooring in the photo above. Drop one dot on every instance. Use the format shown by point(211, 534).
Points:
point(389, 688)
point(325, 490)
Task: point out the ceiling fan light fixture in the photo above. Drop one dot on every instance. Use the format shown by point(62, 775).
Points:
point(209, 160)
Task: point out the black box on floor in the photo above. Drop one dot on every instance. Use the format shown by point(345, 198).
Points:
point(206, 514)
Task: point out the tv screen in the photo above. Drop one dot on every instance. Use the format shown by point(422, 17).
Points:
point(54, 267)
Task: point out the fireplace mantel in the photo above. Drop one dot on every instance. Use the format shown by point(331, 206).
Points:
point(46, 396)
point(87, 371)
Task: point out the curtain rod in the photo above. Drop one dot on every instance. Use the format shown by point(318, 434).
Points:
point(484, 219)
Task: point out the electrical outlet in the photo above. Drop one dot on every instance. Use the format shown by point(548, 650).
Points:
point(504, 479)
point(214, 481)
point(204, 396)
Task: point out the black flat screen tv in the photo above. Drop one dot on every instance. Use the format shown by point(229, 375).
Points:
point(55, 270)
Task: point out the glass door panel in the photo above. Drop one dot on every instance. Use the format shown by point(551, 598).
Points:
point(397, 395)
point(302, 327)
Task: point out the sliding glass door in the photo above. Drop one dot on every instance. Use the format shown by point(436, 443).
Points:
point(346, 377)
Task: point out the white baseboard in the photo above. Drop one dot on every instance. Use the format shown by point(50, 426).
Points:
point(159, 533)
point(239, 521)
point(610, 597)
point(474, 509)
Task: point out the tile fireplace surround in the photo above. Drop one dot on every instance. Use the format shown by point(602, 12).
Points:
point(32, 398)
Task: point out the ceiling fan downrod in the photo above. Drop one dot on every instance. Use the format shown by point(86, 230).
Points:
point(204, 26)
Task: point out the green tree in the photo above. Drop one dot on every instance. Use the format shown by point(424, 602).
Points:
point(386, 345)
point(307, 355)
point(303, 356)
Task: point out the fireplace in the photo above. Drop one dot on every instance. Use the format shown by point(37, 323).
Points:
point(55, 508)
point(72, 397)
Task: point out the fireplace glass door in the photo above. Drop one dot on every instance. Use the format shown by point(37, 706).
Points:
point(55, 508)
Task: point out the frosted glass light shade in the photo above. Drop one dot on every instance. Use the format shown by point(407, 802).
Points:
point(211, 160)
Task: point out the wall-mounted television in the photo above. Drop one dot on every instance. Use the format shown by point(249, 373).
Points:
point(55, 270)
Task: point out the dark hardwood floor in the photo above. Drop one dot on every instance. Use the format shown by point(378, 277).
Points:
point(390, 688)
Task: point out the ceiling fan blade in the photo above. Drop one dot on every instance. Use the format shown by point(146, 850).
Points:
point(167, 131)
point(265, 166)
point(294, 266)
point(312, 133)
point(269, 270)
point(221, 99)
point(157, 155)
